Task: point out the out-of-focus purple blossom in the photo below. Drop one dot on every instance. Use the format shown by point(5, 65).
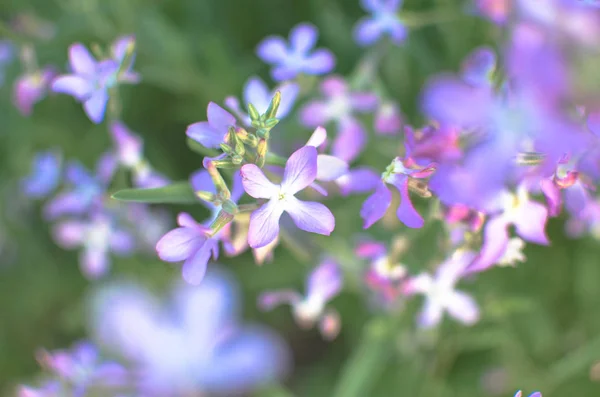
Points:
point(339, 106)
point(7, 54)
point(213, 132)
point(388, 119)
point(192, 344)
point(323, 284)
point(130, 151)
point(51, 388)
point(479, 67)
point(440, 144)
point(440, 294)
point(298, 57)
point(45, 175)
point(496, 11)
point(91, 79)
point(84, 191)
point(150, 223)
point(300, 172)
point(257, 93)
point(82, 369)
point(534, 394)
point(32, 88)
point(384, 20)
point(358, 180)
point(98, 237)
point(385, 275)
point(398, 174)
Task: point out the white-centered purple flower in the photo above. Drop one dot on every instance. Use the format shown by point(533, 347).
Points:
point(257, 93)
point(45, 175)
point(385, 274)
point(300, 171)
point(97, 237)
point(213, 132)
point(297, 57)
point(323, 284)
point(31, 88)
point(440, 295)
point(192, 344)
point(339, 106)
point(384, 20)
point(91, 80)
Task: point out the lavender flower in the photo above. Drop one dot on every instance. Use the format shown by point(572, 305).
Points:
point(91, 80)
point(329, 168)
point(534, 394)
point(97, 237)
point(257, 93)
point(45, 175)
point(495, 10)
point(339, 106)
point(191, 345)
point(440, 294)
point(289, 61)
point(31, 88)
point(300, 172)
point(388, 119)
point(385, 274)
point(213, 132)
point(51, 388)
point(383, 20)
point(323, 284)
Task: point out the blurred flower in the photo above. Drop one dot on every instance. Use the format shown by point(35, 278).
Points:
point(383, 20)
point(257, 93)
point(300, 172)
point(440, 294)
point(496, 11)
point(388, 119)
point(7, 54)
point(81, 369)
point(339, 106)
point(85, 190)
point(191, 345)
point(51, 388)
point(130, 150)
point(298, 57)
point(97, 237)
point(513, 252)
point(385, 274)
point(45, 175)
point(358, 180)
point(535, 394)
point(91, 80)
point(31, 88)
point(323, 284)
point(213, 132)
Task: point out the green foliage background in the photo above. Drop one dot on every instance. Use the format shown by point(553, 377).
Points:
point(541, 322)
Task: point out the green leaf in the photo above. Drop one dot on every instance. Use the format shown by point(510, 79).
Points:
point(176, 193)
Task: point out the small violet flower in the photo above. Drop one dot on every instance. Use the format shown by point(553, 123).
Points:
point(298, 57)
point(213, 132)
point(383, 20)
point(323, 284)
point(440, 294)
point(300, 171)
point(97, 237)
point(339, 106)
point(45, 175)
point(385, 274)
point(91, 80)
point(257, 93)
point(534, 394)
point(388, 119)
point(31, 88)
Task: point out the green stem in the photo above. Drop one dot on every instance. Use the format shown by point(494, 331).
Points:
point(274, 159)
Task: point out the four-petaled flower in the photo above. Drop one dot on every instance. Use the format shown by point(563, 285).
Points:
point(383, 20)
point(300, 171)
point(213, 132)
point(323, 284)
point(289, 61)
point(440, 294)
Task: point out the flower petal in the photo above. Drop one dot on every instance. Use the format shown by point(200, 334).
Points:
point(531, 222)
point(272, 49)
point(367, 31)
point(321, 61)
point(179, 244)
point(350, 140)
point(69, 234)
point(269, 300)
point(219, 118)
point(256, 183)
point(300, 170)
point(76, 86)
point(45, 175)
point(376, 205)
point(314, 113)
point(407, 214)
point(95, 105)
point(122, 242)
point(325, 281)
point(431, 314)
point(330, 168)
point(358, 180)
point(494, 245)
point(289, 92)
point(194, 268)
point(318, 137)
point(462, 307)
point(82, 62)
point(264, 224)
point(303, 37)
point(94, 262)
point(310, 216)
point(207, 136)
point(257, 93)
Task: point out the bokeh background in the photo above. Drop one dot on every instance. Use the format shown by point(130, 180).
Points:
point(540, 328)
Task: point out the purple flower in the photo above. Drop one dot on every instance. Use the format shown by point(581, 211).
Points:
point(44, 176)
point(398, 174)
point(529, 219)
point(51, 388)
point(495, 10)
point(82, 369)
point(388, 119)
point(329, 168)
point(323, 284)
point(192, 344)
point(358, 180)
point(31, 88)
point(298, 57)
point(213, 132)
point(97, 237)
point(534, 394)
point(300, 172)
point(383, 20)
point(440, 294)
point(385, 275)
point(339, 106)
point(91, 80)
point(85, 190)
point(257, 93)
point(130, 151)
